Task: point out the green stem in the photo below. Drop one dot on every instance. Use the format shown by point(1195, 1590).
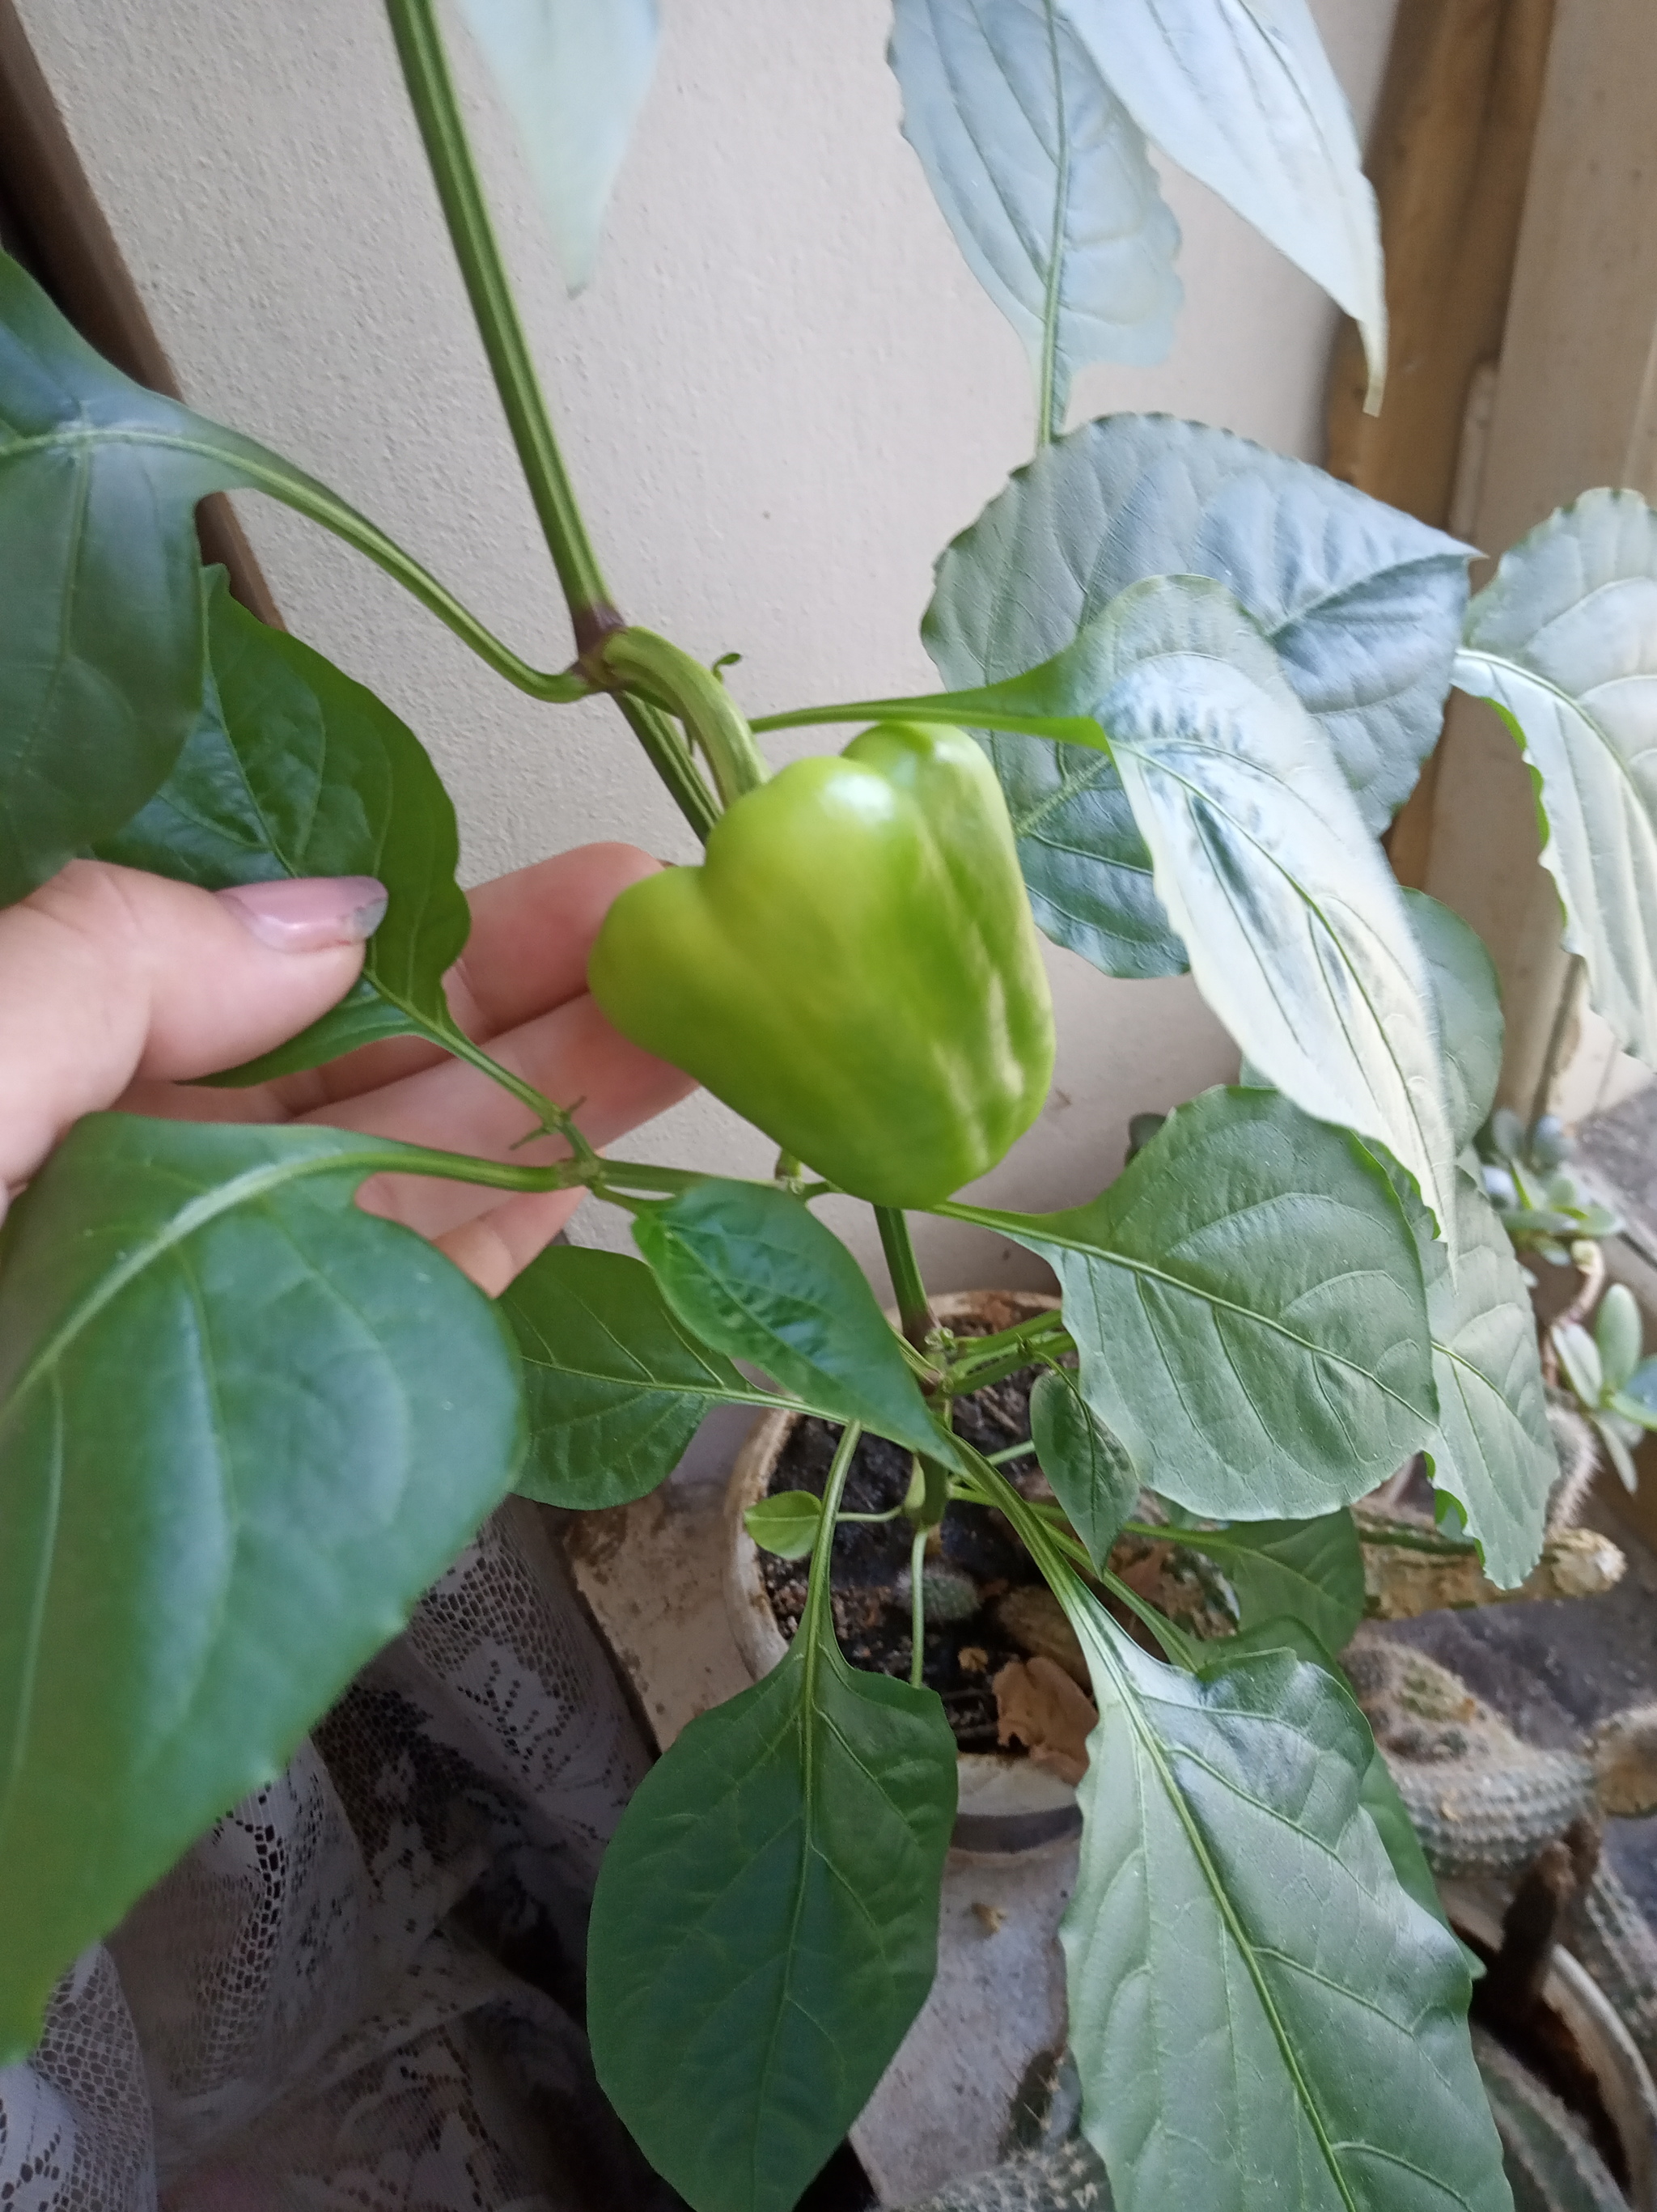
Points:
point(917, 1608)
point(914, 1312)
point(976, 709)
point(960, 1382)
point(668, 676)
point(552, 1121)
point(1025, 1336)
point(1006, 1458)
point(437, 110)
point(817, 1595)
point(670, 757)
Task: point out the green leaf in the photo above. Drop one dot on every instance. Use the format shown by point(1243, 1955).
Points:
point(1618, 1332)
point(1298, 936)
point(1563, 642)
point(1242, 96)
point(1308, 1570)
point(1092, 1477)
point(1261, 2016)
point(573, 75)
point(243, 1424)
point(1579, 1355)
point(1044, 179)
point(1378, 1793)
point(101, 648)
point(749, 1271)
point(787, 1523)
point(1492, 1451)
point(293, 769)
point(1363, 604)
point(1469, 999)
point(618, 1386)
point(1247, 1303)
point(765, 1927)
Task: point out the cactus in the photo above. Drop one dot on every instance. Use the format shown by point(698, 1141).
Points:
point(1552, 2166)
point(1611, 1936)
point(1067, 2178)
point(1483, 1802)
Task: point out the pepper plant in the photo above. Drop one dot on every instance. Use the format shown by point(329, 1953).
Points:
point(242, 1423)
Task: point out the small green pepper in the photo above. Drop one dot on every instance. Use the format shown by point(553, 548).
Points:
point(854, 967)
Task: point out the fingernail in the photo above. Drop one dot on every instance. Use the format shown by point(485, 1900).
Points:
point(306, 914)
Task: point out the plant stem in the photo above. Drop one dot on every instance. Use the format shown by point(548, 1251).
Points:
point(670, 757)
point(437, 110)
point(816, 1594)
point(917, 1607)
point(913, 1312)
point(670, 677)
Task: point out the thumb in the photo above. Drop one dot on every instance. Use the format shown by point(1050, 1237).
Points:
point(107, 975)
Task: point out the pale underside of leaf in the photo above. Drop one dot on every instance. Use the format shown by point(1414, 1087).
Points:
point(1241, 94)
point(1044, 179)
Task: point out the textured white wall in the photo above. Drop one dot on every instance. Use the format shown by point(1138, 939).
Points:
point(781, 397)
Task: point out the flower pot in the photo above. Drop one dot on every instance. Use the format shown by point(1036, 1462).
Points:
point(1006, 1802)
point(1600, 2066)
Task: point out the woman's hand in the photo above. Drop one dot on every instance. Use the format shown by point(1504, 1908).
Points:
point(117, 987)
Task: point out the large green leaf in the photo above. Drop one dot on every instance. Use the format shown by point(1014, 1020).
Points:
point(102, 652)
point(1241, 94)
point(573, 74)
point(1363, 604)
point(1378, 1793)
point(293, 769)
point(101, 649)
point(617, 1385)
point(1310, 1571)
point(1468, 996)
point(1260, 2015)
point(1092, 1477)
point(1563, 641)
point(243, 1424)
point(748, 1270)
point(766, 1924)
point(1247, 1303)
point(1298, 936)
point(1492, 1451)
point(1044, 179)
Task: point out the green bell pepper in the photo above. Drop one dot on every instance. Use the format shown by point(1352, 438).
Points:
point(854, 967)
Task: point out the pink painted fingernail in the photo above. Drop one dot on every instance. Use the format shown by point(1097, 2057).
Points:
point(305, 914)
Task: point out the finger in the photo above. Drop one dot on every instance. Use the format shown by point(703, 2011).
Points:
point(500, 1243)
point(571, 1054)
point(107, 975)
point(531, 935)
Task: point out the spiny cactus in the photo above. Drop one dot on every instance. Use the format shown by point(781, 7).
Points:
point(1483, 1802)
point(1069, 2179)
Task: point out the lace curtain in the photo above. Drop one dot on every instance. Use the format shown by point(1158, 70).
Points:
point(362, 1992)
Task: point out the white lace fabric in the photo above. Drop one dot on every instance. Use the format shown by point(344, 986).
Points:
point(361, 1992)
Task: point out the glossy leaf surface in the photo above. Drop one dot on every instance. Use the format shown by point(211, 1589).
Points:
point(618, 1386)
point(1363, 604)
point(748, 1270)
point(1469, 1000)
point(294, 769)
point(573, 75)
point(102, 641)
point(1043, 176)
point(1247, 1303)
point(243, 1424)
point(1309, 1571)
point(765, 1924)
point(1563, 642)
point(1378, 1793)
point(1241, 94)
point(1260, 2015)
point(1092, 1476)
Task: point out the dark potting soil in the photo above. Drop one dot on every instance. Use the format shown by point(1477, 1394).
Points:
point(973, 1559)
